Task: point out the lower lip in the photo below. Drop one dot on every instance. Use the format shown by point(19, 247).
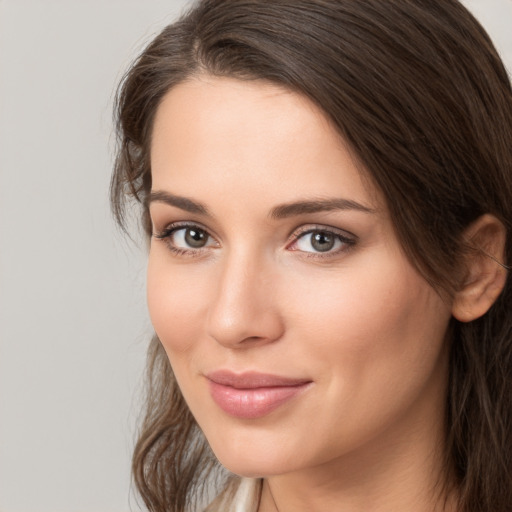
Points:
point(253, 403)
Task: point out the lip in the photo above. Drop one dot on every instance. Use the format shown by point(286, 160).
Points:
point(251, 395)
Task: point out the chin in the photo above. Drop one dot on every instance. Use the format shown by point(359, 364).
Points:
point(253, 463)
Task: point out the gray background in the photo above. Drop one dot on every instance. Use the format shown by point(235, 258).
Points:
point(73, 326)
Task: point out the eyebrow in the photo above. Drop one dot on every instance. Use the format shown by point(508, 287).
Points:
point(318, 205)
point(183, 203)
point(279, 212)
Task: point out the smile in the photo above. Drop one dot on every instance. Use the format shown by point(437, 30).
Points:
point(252, 395)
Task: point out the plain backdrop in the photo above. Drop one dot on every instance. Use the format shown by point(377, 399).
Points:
point(73, 321)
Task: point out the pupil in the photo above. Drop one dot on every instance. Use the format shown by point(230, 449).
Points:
point(322, 242)
point(195, 238)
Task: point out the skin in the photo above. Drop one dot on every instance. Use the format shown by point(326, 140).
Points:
point(357, 321)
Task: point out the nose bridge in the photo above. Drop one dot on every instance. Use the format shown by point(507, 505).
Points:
point(244, 307)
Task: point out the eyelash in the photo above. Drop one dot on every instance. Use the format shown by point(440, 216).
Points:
point(169, 231)
point(347, 240)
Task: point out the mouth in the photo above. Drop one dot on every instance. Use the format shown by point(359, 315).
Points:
point(253, 395)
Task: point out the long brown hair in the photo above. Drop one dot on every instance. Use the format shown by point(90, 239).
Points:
point(418, 91)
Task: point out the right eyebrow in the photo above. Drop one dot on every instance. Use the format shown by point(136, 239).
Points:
point(183, 203)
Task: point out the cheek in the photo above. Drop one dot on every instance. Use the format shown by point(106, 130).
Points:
point(372, 327)
point(177, 301)
point(374, 343)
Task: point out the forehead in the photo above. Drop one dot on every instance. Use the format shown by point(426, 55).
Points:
point(215, 132)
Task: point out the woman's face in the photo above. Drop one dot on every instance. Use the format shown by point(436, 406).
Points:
point(298, 331)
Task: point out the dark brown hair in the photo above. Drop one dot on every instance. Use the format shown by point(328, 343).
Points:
point(418, 91)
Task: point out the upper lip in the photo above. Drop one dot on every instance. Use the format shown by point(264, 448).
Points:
point(252, 380)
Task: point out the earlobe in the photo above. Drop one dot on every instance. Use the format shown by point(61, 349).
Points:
point(485, 272)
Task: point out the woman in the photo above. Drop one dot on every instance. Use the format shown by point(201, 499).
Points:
point(327, 189)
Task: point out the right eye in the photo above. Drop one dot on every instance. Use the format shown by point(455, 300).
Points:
point(186, 238)
point(190, 237)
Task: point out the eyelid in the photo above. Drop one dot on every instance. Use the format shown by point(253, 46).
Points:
point(348, 239)
point(311, 228)
point(175, 226)
point(165, 234)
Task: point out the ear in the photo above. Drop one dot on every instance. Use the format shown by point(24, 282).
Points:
point(485, 274)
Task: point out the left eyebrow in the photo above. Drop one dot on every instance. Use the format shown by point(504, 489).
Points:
point(314, 206)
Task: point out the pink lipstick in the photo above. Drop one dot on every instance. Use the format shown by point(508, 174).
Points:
point(252, 395)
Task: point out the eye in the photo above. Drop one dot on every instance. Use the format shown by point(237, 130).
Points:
point(321, 241)
point(186, 239)
point(190, 237)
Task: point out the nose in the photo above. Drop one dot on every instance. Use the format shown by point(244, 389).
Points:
point(245, 311)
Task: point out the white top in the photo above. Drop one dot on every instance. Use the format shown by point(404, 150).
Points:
point(246, 497)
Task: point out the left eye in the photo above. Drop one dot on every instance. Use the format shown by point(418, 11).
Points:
point(319, 241)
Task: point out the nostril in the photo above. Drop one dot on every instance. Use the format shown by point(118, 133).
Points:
point(245, 328)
